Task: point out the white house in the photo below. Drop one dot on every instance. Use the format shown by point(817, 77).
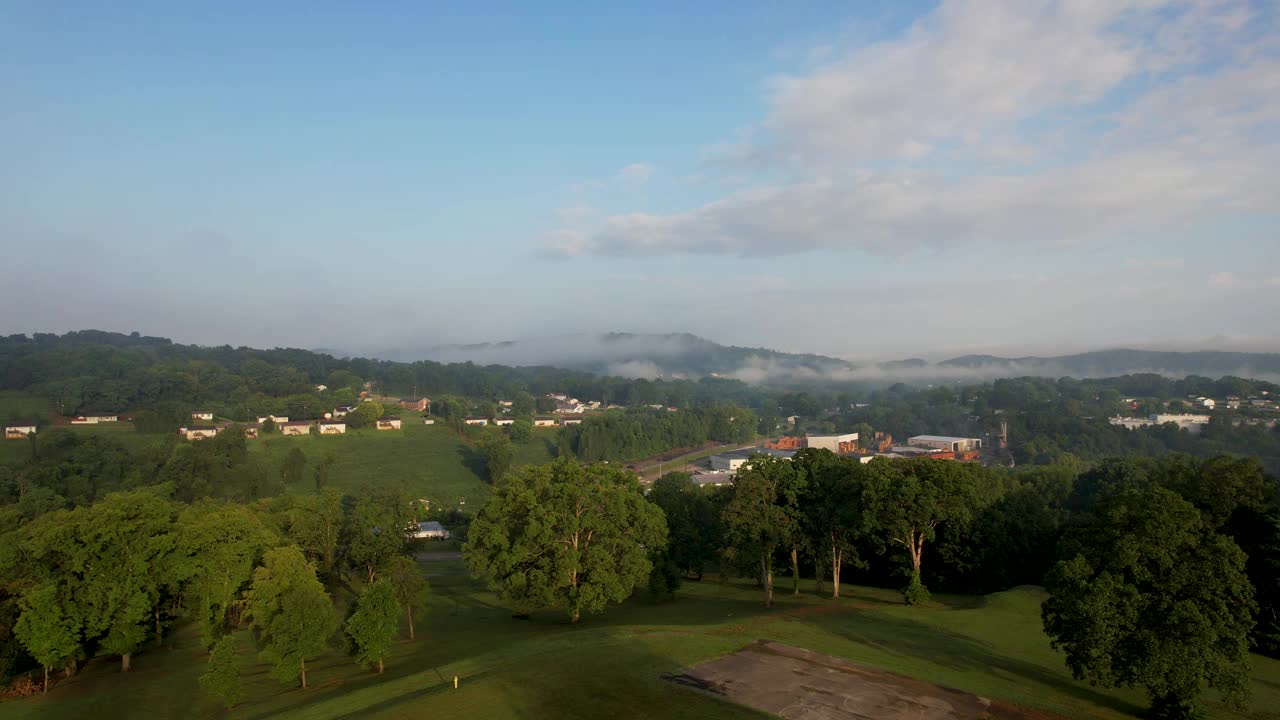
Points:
point(504, 421)
point(570, 408)
point(343, 410)
point(544, 422)
point(429, 421)
point(1131, 423)
point(277, 419)
point(505, 403)
point(198, 433)
point(321, 388)
point(430, 530)
point(331, 427)
point(571, 421)
point(1208, 403)
point(295, 427)
point(388, 422)
point(202, 415)
point(21, 430)
point(473, 420)
point(94, 419)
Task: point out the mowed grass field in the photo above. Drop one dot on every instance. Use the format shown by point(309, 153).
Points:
point(431, 459)
point(611, 665)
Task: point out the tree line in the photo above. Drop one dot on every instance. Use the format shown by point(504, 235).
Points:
point(1161, 573)
point(113, 577)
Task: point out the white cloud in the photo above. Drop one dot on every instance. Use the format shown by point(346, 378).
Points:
point(635, 173)
point(1029, 121)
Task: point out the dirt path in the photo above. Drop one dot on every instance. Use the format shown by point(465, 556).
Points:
point(798, 684)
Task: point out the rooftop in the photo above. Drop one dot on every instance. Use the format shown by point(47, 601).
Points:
point(939, 438)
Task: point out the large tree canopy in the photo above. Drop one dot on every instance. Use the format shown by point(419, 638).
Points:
point(1150, 596)
point(565, 535)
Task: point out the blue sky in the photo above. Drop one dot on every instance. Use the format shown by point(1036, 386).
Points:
point(844, 178)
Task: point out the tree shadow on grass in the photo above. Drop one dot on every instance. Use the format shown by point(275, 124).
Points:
point(473, 461)
point(903, 637)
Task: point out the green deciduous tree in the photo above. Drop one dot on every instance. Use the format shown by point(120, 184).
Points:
point(49, 633)
point(373, 624)
point(294, 467)
point(222, 679)
point(906, 501)
point(565, 535)
point(409, 585)
point(376, 529)
point(521, 431)
point(291, 612)
point(693, 522)
point(497, 453)
point(369, 412)
point(216, 551)
point(832, 516)
point(314, 523)
point(762, 515)
point(1150, 596)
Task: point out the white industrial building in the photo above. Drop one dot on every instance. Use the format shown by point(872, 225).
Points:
point(831, 441)
point(1190, 423)
point(946, 443)
point(732, 461)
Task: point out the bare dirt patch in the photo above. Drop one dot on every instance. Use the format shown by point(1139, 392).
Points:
point(798, 684)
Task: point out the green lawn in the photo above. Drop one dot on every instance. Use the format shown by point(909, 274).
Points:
point(16, 404)
point(433, 460)
point(610, 666)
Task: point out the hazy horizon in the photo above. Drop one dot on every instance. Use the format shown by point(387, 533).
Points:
point(927, 180)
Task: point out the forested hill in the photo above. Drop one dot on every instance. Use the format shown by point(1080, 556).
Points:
point(92, 370)
point(636, 355)
point(1110, 363)
point(683, 355)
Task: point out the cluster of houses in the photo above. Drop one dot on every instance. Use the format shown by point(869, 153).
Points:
point(332, 424)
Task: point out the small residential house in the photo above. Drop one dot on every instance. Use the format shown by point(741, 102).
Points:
point(94, 419)
point(202, 415)
point(388, 422)
point(473, 420)
point(1208, 403)
point(428, 421)
point(331, 427)
point(421, 404)
point(570, 408)
point(321, 388)
point(558, 396)
point(19, 431)
point(250, 432)
point(430, 530)
point(571, 421)
point(198, 433)
point(294, 427)
point(544, 422)
point(504, 421)
point(343, 410)
point(277, 419)
point(506, 403)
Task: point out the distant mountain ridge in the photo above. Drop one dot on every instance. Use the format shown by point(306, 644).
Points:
point(684, 355)
point(1106, 363)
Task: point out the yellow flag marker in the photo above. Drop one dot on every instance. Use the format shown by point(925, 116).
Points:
point(455, 682)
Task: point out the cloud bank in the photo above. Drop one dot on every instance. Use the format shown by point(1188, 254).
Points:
point(1030, 121)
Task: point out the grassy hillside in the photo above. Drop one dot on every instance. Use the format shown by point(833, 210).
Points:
point(433, 460)
point(610, 666)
